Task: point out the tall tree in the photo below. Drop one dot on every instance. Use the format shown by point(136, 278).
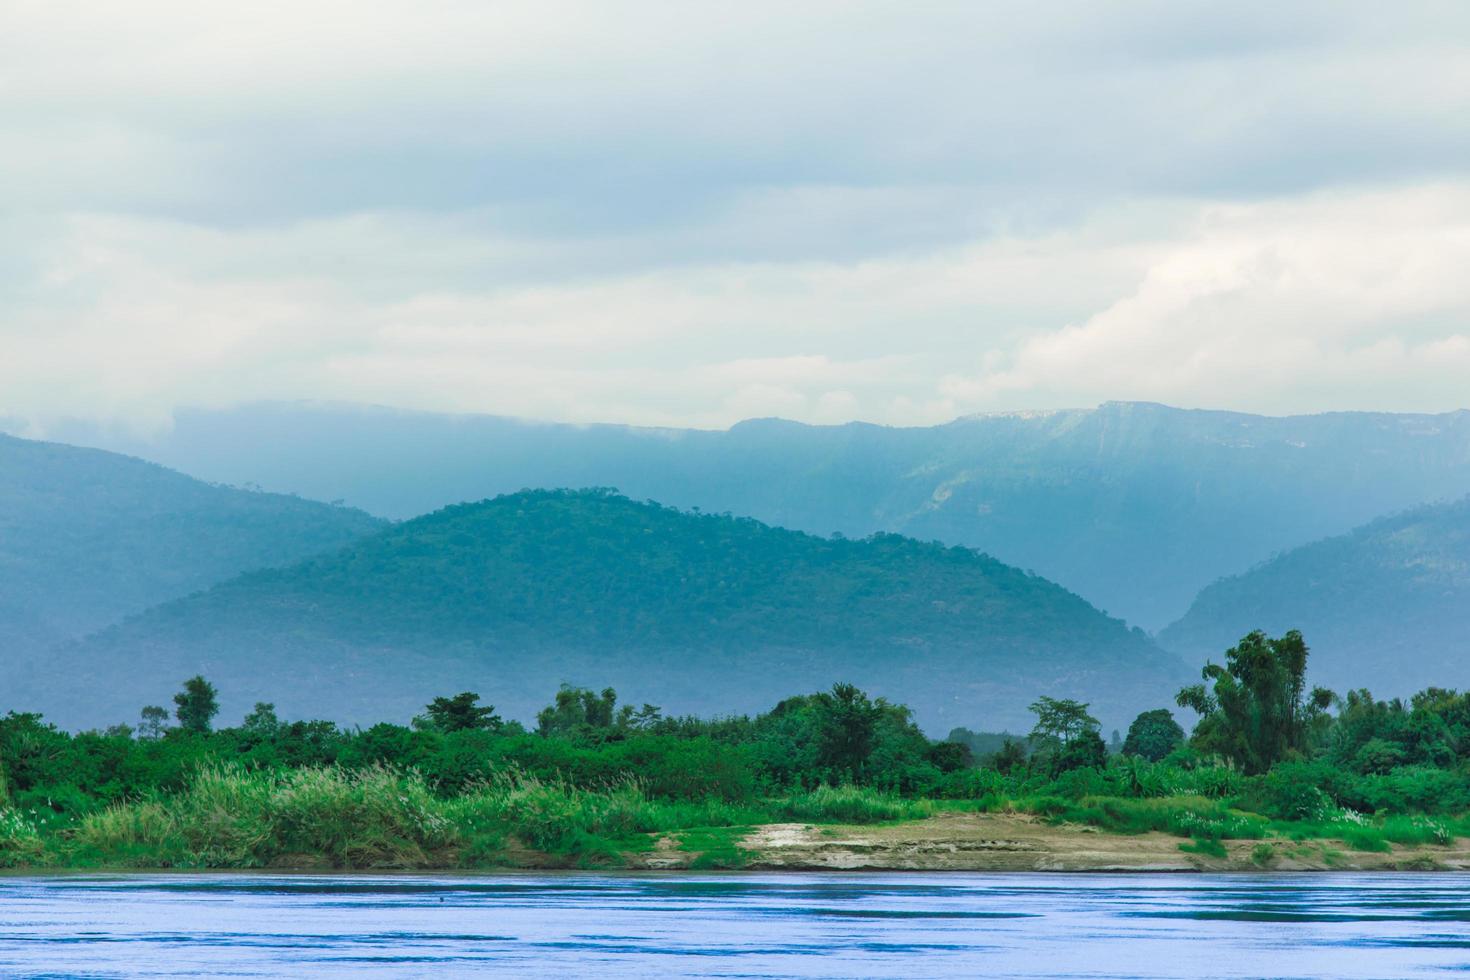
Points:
point(196, 705)
point(154, 721)
point(1254, 709)
point(1059, 721)
point(847, 726)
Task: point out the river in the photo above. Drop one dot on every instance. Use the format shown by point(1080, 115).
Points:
point(736, 925)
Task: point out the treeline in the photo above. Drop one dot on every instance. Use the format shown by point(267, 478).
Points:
point(1265, 748)
point(583, 737)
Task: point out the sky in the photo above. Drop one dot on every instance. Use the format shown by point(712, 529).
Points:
point(691, 213)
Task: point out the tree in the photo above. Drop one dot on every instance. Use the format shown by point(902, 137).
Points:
point(461, 713)
point(644, 719)
point(1153, 735)
point(262, 721)
point(1257, 713)
point(951, 756)
point(1058, 722)
point(154, 723)
point(196, 705)
point(1009, 757)
point(847, 728)
point(579, 711)
point(1084, 751)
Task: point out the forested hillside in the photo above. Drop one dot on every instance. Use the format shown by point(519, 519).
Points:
point(1136, 507)
point(1386, 605)
point(88, 537)
point(706, 613)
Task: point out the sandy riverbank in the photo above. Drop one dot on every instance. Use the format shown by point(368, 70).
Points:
point(1017, 842)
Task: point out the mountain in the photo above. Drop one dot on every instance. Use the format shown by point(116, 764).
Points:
point(1386, 606)
point(88, 537)
point(1134, 506)
point(511, 596)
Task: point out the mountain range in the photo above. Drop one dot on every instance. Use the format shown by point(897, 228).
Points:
point(89, 537)
point(118, 574)
point(512, 596)
point(1386, 606)
point(1134, 506)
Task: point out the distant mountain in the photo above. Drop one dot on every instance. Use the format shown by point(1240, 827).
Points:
point(88, 537)
point(1135, 506)
point(1386, 606)
point(511, 596)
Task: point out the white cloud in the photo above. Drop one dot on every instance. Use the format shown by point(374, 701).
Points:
point(1336, 302)
point(676, 213)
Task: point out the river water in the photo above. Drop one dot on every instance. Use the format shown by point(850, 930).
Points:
point(788, 925)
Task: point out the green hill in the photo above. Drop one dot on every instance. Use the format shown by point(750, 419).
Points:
point(1135, 507)
point(704, 613)
point(88, 537)
point(1386, 605)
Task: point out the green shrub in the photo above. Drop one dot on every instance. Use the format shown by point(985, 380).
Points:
point(1209, 846)
point(1365, 838)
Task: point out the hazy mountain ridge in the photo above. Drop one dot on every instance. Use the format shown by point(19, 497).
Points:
point(702, 613)
point(1134, 506)
point(88, 537)
point(1386, 605)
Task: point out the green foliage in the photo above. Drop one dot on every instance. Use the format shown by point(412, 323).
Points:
point(1058, 722)
point(1257, 712)
point(154, 721)
point(847, 729)
point(196, 705)
point(847, 804)
point(560, 585)
point(1208, 846)
point(597, 783)
point(1153, 735)
point(461, 713)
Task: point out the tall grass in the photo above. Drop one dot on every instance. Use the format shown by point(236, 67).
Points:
point(847, 804)
point(20, 839)
point(228, 817)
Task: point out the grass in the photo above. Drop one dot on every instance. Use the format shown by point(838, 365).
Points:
point(228, 817)
point(1210, 846)
point(1184, 816)
point(716, 847)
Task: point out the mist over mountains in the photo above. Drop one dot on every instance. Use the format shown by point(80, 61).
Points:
point(1134, 506)
point(88, 537)
point(119, 577)
point(702, 613)
point(1386, 606)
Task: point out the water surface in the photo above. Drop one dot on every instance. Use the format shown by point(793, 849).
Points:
point(802, 925)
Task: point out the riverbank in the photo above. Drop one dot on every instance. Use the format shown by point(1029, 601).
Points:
point(383, 820)
point(1019, 842)
point(947, 841)
point(961, 841)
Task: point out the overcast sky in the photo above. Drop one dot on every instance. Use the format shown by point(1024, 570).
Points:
point(690, 213)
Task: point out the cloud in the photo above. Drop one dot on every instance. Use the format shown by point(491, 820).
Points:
point(678, 214)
